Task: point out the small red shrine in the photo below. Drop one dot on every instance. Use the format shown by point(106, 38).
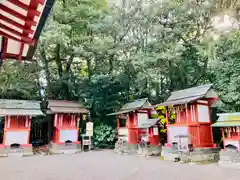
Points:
point(21, 23)
point(66, 118)
point(230, 125)
point(193, 120)
point(17, 115)
point(134, 122)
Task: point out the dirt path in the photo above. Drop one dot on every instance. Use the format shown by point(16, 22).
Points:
point(106, 165)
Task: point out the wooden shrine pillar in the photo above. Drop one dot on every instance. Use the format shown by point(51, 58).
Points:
point(50, 128)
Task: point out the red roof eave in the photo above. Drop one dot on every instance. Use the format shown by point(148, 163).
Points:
point(17, 36)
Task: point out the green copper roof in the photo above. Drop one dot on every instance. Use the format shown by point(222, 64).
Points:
point(132, 106)
point(228, 120)
point(188, 95)
point(226, 124)
point(148, 123)
point(19, 108)
point(137, 104)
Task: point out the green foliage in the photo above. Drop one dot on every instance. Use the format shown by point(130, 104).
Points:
point(105, 56)
point(104, 136)
point(225, 68)
point(161, 110)
point(19, 81)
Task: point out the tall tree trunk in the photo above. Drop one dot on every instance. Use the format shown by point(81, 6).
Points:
point(44, 67)
point(67, 77)
point(58, 61)
point(171, 88)
point(111, 59)
point(45, 63)
point(89, 68)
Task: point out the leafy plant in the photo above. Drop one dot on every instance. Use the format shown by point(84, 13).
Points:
point(161, 110)
point(104, 136)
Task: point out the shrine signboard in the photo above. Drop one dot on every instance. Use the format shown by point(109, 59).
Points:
point(89, 129)
point(182, 142)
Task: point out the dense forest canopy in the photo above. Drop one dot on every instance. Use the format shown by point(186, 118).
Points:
point(104, 54)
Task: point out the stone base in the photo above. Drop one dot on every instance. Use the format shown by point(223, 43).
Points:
point(229, 158)
point(197, 155)
point(229, 164)
point(27, 151)
point(150, 150)
point(56, 148)
point(19, 152)
point(125, 148)
point(3, 151)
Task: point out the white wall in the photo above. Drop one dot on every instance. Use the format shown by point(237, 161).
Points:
point(68, 135)
point(203, 113)
point(175, 131)
point(19, 137)
point(123, 131)
point(235, 143)
point(142, 118)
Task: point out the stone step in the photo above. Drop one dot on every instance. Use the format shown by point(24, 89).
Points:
point(15, 154)
point(18, 152)
point(69, 151)
point(229, 164)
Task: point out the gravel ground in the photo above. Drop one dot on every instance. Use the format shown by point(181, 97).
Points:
point(106, 165)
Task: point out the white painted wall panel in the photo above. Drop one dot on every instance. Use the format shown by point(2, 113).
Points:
point(235, 143)
point(142, 118)
point(14, 48)
point(123, 131)
point(19, 137)
point(176, 131)
point(203, 113)
point(25, 50)
point(68, 135)
point(155, 131)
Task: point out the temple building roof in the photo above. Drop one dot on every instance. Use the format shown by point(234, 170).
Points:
point(148, 123)
point(21, 23)
point(19, 108)
point(132, 106)
point(60, 106)
point(228, 120)
point(188, 95)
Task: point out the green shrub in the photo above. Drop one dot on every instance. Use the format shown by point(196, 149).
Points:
point(104, 136)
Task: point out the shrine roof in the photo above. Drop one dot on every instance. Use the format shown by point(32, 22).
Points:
point(148, 123)
point(19, 107)
point(21, 23)
point(227, 120)
point(189, 95)
point(132, 106)
point(59, 106)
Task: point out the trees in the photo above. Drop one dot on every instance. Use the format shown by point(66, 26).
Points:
point(224, 70)
point(19, 81)
point(105, 56)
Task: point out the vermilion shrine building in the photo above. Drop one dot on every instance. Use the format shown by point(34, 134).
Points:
point(66, 116)
point(230, 126)
point(134, 123)
point(16, 118)
point(21, 22)
point(193, 118)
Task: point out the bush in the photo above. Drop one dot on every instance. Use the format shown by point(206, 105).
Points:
point(104, 136)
